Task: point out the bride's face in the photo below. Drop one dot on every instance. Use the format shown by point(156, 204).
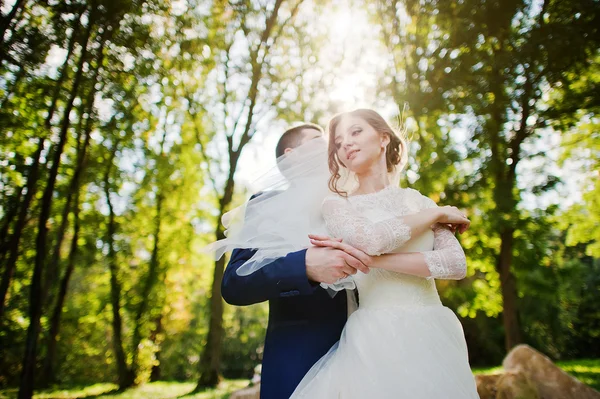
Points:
point(358, 145)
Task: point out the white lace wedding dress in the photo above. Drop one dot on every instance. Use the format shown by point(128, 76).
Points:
point(401, 342)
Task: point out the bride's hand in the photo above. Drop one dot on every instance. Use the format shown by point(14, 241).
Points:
point(326, 241)
point(452, 216)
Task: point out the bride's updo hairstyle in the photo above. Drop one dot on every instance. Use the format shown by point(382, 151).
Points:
point(396, 152)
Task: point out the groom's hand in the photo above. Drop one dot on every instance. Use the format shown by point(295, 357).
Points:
point(328, 265)
point(336, 243)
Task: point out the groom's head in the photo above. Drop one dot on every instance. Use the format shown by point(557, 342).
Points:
point(297, 136)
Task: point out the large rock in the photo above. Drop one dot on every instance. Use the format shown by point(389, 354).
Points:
point(516, 385)
point(252, 392)
point(486, 385)
point(508, 385)
point(551, 382)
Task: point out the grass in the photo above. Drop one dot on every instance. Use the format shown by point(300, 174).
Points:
point(585, 370)
point(154, 390)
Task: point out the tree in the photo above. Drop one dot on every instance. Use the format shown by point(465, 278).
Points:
point(507, 55)
point(242, 59)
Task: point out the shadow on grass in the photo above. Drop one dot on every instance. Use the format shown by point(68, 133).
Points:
point(221, 391)
point(65, 392)
point(113, 391)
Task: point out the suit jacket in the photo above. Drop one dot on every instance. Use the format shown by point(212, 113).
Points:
point(304, 320)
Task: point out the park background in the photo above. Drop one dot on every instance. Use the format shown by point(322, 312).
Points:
point(128, 127)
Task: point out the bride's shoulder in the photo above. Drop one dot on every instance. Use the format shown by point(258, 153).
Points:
point(416, 196)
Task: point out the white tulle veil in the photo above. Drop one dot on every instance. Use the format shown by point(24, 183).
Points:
point(286, 209)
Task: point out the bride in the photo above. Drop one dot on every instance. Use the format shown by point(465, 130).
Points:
point(401, 342)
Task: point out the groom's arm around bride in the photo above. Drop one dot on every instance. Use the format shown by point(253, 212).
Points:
point(297, 273)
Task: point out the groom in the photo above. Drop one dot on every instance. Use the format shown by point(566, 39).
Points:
point(304, 320)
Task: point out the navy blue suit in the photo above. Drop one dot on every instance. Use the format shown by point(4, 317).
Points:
point(304, 321)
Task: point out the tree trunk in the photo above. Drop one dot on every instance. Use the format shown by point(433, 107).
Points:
point(47, 375)
point(52, 271)
point(510, 314)
point(156, 374)
point(153, 274)
point(507, 205)
point(124, 375)
point(210, 360)
point(211, 357)
point(32, 178)
point(52, 268)
point(506, 208)
point(35, 293)
point(11, 213)
point(13, 245)
point(48, 372)
point(151, 280)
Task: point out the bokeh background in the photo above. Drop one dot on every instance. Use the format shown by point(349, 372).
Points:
point(128, 127)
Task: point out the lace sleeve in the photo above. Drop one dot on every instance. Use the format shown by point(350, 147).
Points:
point(374, 238)
point(447, 260)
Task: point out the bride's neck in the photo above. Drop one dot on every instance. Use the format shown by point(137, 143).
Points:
point(374, 179)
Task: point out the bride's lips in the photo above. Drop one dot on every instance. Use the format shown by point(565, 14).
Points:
point(351, 154)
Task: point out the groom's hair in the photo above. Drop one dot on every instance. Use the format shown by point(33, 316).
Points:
point(291, 138)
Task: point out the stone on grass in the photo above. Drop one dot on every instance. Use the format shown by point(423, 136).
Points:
point(486, 385)
point(551, 382)
point(515, 385)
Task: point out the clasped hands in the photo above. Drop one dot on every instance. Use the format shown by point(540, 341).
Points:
point(330, 259)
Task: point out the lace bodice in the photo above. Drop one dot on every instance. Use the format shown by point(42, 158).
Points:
point(374, 223)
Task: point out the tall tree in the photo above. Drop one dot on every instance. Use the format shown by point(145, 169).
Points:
point(48, 371)
point(123, 373)
point(35, 307)
point(33, 171)
point(506, 55)
point(256, 29)
point(416, 48)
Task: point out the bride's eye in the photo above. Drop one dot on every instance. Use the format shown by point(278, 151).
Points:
point(357, 131)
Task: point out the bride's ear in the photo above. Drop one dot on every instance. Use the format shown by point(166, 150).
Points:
point(385, 140)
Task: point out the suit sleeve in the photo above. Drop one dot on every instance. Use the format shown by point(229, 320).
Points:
point(284, 277)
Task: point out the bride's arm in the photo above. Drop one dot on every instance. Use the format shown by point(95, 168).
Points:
point(446, 261)
point(375, 238)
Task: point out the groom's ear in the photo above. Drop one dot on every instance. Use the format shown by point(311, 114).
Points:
point(287, 151)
